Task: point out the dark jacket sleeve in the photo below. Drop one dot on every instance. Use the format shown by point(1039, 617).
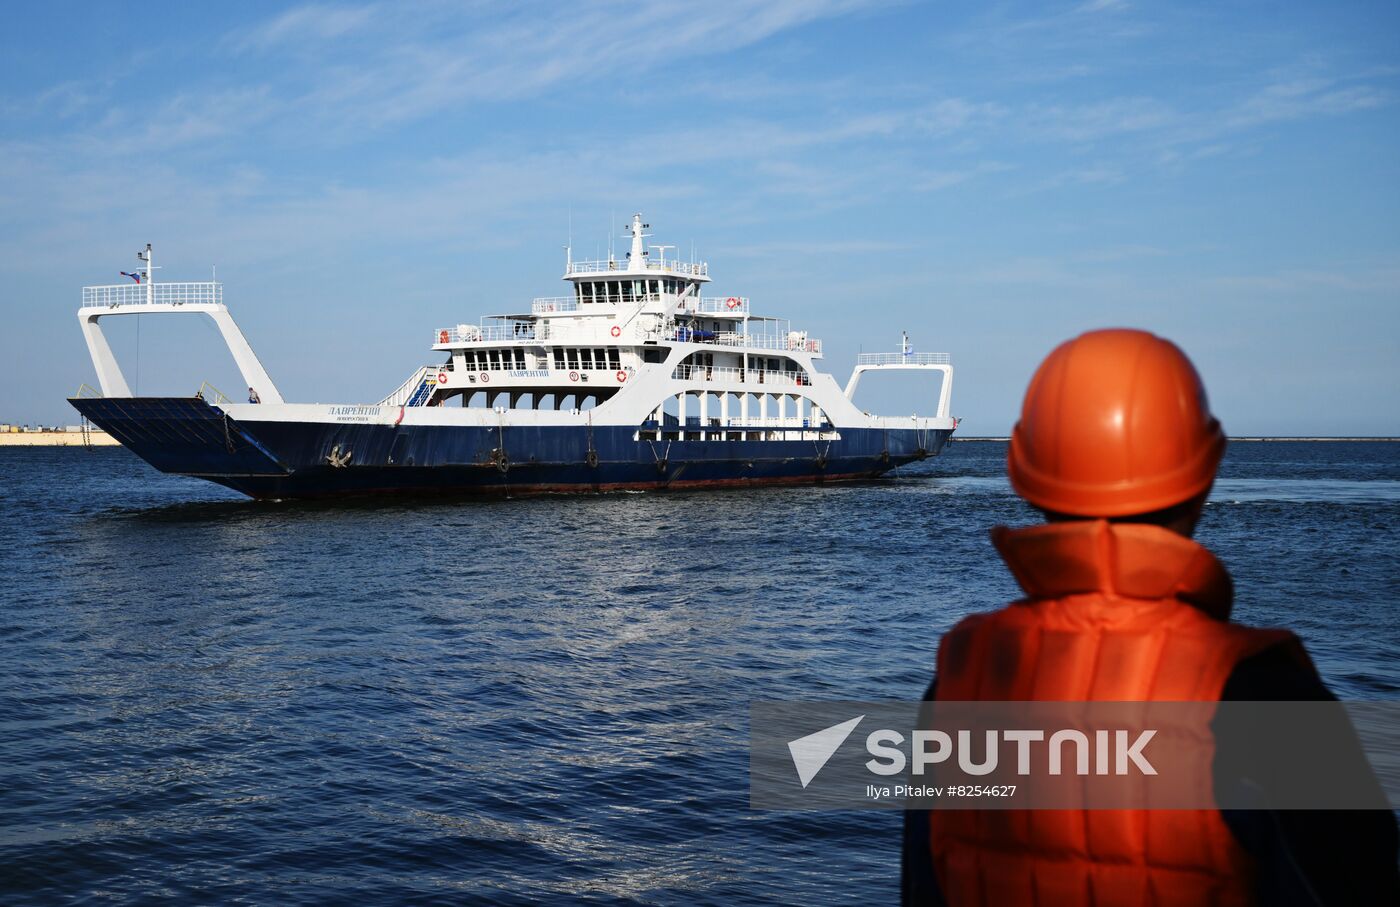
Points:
point(1309, 857)
point(918, 885)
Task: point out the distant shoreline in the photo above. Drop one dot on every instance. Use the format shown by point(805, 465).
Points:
point(96, 437)
point(1233, 440)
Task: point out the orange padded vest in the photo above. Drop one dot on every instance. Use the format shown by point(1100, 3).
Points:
point(1116, 612)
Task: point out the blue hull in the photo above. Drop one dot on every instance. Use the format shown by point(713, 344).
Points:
point(292, 459)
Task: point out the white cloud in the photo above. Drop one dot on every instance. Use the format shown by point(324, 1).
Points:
point(313, 22)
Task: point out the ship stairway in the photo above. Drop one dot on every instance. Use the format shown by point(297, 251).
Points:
point(416, 391)
point(420, 396)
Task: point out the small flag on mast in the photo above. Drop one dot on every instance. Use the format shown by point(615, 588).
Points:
point(136, 277)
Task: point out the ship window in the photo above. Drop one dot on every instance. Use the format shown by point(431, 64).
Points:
point(655, 287)
point(600, 359)
point(558, 358)
point(613, 361)
point(653, 354)
point(495, 359)
point(520, 358)
point(586, 357)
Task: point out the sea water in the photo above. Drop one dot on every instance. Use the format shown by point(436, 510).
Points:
point(207, 698)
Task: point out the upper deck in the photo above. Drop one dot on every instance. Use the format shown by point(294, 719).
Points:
point(148, 293)
point(638, 262)
point(643, 265)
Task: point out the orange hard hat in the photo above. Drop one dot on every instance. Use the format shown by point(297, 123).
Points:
point(1114, 423)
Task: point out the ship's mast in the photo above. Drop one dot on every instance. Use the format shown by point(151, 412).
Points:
point(149, 273)
point(638, 253)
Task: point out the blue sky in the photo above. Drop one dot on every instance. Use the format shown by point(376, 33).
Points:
point(991, 178)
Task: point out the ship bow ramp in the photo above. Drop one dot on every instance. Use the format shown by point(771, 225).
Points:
point(182, 434)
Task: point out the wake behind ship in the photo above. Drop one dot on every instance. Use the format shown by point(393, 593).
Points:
point(635, 380)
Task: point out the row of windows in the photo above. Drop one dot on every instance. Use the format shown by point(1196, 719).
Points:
point(587, 358)
point(627, 290)
point(494, 360)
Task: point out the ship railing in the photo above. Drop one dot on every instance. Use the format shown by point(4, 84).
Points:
point(903, 359)
point(718, 305)
point(212, 394)
point(157, 294)
point(545, 305)
point(471, 333)
point(792, 342)
point(778, 422)
point(661, 265)
point(692, 372)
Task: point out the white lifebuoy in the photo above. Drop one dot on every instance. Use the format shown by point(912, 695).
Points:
point(442, 377)
point(616, 331)
point(621, 377)
point(733, 302)
point(573, 376)
point(485, 378)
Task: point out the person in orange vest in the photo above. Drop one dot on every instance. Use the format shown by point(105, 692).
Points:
point(1117, 447)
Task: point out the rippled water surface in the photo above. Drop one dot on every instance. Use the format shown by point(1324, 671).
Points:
point(211, 699)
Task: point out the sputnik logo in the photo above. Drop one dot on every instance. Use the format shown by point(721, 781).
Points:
point(810, 753)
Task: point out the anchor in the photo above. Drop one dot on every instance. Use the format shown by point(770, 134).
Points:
point(337, 459)
point(591, 458)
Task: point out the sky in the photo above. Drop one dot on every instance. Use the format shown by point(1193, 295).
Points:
point(991, 178)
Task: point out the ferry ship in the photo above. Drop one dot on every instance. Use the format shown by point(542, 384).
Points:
point(634, 380)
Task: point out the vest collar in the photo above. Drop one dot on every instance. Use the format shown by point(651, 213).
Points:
point(1118, 560)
